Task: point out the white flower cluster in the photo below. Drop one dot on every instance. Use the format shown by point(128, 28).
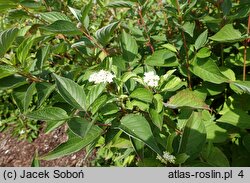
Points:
point(22, 132)
point(168, 157)
point(101, 77)
point(151, 79)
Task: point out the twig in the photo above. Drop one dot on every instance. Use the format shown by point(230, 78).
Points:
point(185, 46)
point(145, 30)
point(95, 42)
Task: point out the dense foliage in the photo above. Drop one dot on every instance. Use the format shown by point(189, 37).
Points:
point(141, 82)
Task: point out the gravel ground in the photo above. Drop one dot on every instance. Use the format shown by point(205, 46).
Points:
point(14, 153)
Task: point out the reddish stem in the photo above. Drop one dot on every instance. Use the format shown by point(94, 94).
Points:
point(149, 44)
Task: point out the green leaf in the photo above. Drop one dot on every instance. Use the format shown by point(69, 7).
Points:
point(120, 4)
point(214, 156)
point(228, 34)
point(129, 47)
point(215, 133)
point(136, 103)
point(142, 94)
point(6, 39)
point(80, 126)
point(98, 103)
point(104, 34)
point(237, 118)
point(170, 47)
point(53, 16)
point(6, 70)
point(85, 10)
point(157, 118)
point(162, 58)
point(188, 27)
point(109, 109)
point(28, 96)
point(49, 114)
point(62, 27)
point(193, 137)
point(201, 40)
point(186, 98)
point(207, 70)
point(74, 144)
point(158, 102)
point(173, 84)
point(226, 6)
point(137, 127)
point(42, 55)
point(76, 13)
point(12, 81)
point(18, 96)
point(71, 92)
point(204, 52)
point(127, 75)
point(243, 85)
point(44, 89)
point(52, 125)
point(94, 93)
point(24, 49)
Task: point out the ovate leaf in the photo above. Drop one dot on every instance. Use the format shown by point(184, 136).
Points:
point(214, 156)
point(74, 144)
point(188, 27)
point(193, 137)
point(162, 58)
point(228, 34)
point(53, 16)
point(243, 85)
point(157, 118)
point(129, 47)
point(120, 4)
point(6, 39)
point(94, 93)
point(104, 34)
point(11, 82)
point(62, 27)
point(6, 70)
point(79, 126)
point(43, 91)
point(42, 55)
point(207, 70)
point(23, 49)
point(137, 127)
point(28, 96)
point(201, 40)
point(186, 98)
point(71, 92)
point(49, 114)
point(142, 94)
point(237, 118)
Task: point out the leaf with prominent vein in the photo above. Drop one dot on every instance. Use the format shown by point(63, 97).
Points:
point(237, 118)
point(53, 16)
point(49, 114)
point(6, 39)
point(207, 70)
point(71, 92)
point(103, 35)
point(186, 98)
point(193, 137)
point(228, 34)
point(74, 144)
point(138, 127)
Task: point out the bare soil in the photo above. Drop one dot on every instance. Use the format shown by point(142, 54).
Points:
point(15, 153)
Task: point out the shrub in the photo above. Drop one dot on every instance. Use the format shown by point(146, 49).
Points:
point(142, 82)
